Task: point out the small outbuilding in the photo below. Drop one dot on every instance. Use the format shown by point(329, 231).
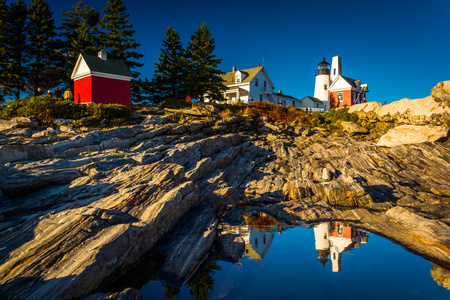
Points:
point(312, 104)
point(99, 80)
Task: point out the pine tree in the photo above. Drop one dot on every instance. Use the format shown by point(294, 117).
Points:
point(203, 74)
point(3, 47)
point(17, 48)
point(83, 42)
point(79, 31)
point(170, 71)
point(117, 39)
point(45, 57)
point(146, 91)
point(117, 35)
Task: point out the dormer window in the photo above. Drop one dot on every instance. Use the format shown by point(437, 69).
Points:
point(240, 76)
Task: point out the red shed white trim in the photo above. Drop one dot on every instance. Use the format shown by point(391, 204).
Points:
point(99, 80)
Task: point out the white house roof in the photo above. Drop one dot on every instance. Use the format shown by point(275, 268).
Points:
point(91, 65)
point(229, 78)
point(313, 99)
point(342, 82)
point(285, 96)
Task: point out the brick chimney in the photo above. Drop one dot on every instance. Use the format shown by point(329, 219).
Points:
point(234, 69)
point(259, 65)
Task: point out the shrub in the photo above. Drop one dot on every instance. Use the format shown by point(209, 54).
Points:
point(45, 109)
point(109, 111)
point(225, 114)
point(333, 115)
point(277, 113)
point(331, 119)
point(69, 110)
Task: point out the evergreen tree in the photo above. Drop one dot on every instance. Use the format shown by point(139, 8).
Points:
point(117, 35)
point(45, 57)
point(79, 31)
point(146, 91)
point(170, 70)
point(117, 39)
point(203, 74)
point(83, 43)
point(171, 291)
point(17, 48)
point(3, 46)
point(201, 286)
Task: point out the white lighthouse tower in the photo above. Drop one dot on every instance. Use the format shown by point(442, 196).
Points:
point(321, 237)
point(323, 83)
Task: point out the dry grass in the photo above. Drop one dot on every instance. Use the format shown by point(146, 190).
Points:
point(280, 114)
point(226, 114)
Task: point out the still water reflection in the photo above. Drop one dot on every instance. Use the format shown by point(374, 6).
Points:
point(329, 260)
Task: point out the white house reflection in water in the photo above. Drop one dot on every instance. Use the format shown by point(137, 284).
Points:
point(333, 238)
point(258, 234)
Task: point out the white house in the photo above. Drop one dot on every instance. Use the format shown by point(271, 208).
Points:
point(248, 85)
point(254, 84)
point(312, 104)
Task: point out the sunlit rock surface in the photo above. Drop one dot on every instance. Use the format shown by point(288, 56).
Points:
point(441, 276)
point(412, 134)
point(78, 209)
point(431, 110)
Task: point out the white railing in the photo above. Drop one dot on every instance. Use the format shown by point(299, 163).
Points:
point(311, 109)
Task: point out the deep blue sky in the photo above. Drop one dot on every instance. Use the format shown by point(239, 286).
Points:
point(399, 48)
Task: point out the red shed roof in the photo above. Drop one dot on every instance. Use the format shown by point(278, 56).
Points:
point(91, 65)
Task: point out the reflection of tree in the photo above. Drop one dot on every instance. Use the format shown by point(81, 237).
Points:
point(171, 291)
point(202, 286)
point(261, 220)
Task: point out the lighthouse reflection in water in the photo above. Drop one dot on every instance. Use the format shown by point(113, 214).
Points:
point(331, 238)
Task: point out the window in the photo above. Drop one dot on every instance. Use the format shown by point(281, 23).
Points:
point(340, 230)
point(238, 80)
point(256, 82)
point(325, 87)
point(260, 97)
point(334, 71)
point(340, 97)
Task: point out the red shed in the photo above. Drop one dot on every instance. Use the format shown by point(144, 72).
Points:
point(99, 80)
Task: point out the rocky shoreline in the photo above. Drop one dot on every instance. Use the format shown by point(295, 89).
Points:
point(78, 209)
